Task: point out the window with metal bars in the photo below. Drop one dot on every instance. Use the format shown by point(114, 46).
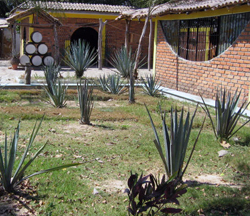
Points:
point(205, 38)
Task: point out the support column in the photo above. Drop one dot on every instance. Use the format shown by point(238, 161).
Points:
point(127, 34)
point(14, 40)
point(150, 43)
point(56, 45)
point(101, 25)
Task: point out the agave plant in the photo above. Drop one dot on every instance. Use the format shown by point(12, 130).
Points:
point(51, 74)
point(85, 101)
point(227, 115)
point(11, 178)
point(151, 86)
point(111, 84)
point(176, 140)
point(123, 60)
point(147, 194)
point(80, 56)
point(57, 93)
point(103, 82)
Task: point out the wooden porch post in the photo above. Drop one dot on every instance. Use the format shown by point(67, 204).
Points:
point(127, 34)
point(150, 43)
point(14, 39)
point(101, 25)
point(56, 45)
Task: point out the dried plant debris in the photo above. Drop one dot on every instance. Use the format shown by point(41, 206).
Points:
point(18, 203)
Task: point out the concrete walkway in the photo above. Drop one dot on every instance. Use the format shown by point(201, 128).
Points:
point(9, 76)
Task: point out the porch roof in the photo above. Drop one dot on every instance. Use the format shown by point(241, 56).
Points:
point(3, 23)
point(33, 10)
point(183, 6)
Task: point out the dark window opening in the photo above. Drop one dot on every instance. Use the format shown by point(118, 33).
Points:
point(206, 38)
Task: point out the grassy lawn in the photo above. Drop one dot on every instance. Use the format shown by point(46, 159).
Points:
point(120, 140)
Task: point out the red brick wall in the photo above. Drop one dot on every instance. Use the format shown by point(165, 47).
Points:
point(115, 36)
point(231, 69)
point(115, 33)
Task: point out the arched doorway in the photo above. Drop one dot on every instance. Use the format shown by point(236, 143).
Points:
point(88, 34)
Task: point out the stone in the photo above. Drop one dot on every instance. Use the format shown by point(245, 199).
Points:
point(222, 153)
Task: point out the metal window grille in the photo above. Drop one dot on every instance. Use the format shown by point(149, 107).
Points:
point(205, 38)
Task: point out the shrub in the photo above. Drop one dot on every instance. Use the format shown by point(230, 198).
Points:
point(147, 194)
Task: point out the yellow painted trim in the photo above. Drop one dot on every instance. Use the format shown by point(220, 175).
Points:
point(21, 48)
point(103, 41)
point(207, 44)
point(66, 43)
point(155, 47)
point(208, 13)
point(204, 29)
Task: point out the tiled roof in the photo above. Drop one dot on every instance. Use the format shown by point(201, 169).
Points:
point(66, 6)
point(42, 13)
point(182, 7)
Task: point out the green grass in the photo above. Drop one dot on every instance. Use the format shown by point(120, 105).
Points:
point(119, 141)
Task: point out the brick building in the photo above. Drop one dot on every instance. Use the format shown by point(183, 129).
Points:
point(201, 45)
point(70, 21)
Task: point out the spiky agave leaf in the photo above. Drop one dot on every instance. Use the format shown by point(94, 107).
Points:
point(176, 140)
point(80, 56)
point(226, 115)
point(85, 101)
point(51, 72)
point(57, 94)
point(7, 164)
point(151, 85)
point(8, 181)
point(114, 84)
point(102, 81)
point(123, 60)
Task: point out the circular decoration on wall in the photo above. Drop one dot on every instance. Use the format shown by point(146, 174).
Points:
point(30, 48)
point(36, 60)
point(24, 59)
point(36, 37)
point(42, 48)
point(48, 60)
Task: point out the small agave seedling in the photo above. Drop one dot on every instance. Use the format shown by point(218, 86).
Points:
point(111, 84)
point(176, 140)
point(227, 115)
point(151, 86)
point(85, 101)
point(57, 93)
point(51, 72)
point(10, 179)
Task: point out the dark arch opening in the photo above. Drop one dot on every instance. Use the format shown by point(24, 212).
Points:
point(88, 34)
